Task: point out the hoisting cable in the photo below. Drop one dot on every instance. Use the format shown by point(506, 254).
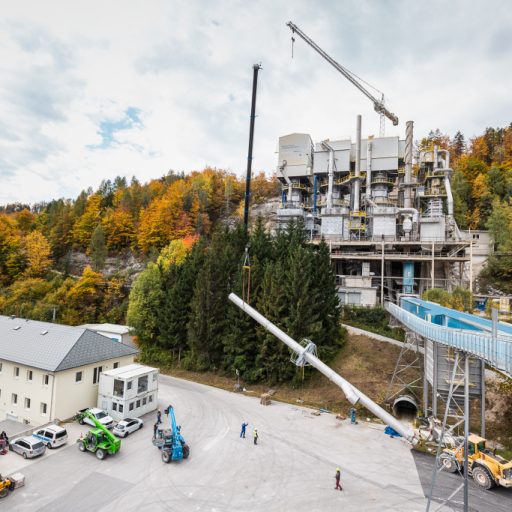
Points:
point(246, 276)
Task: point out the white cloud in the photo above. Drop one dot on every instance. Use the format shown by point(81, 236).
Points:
point(67, 68)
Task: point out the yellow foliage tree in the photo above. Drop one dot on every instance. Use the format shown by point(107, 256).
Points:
point(119, 228)
point(37, 253)
point(85, 224)
point(176, 252)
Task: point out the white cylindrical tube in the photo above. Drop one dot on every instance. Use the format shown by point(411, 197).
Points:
point(353, 394)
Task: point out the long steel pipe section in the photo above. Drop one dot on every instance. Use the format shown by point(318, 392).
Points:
point(357, 183)
point(408, 164)
point(353, 394)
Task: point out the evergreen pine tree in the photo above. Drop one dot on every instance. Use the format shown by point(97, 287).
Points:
point(458, 146)
point(178, 298)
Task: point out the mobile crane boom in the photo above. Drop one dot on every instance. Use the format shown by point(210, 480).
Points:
point(378, 104)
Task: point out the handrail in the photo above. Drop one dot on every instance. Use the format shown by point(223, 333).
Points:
point(495, 351)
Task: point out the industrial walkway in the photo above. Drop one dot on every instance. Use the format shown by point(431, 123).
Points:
point(463, 331)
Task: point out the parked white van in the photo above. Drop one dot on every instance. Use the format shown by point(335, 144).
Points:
point(52, 436)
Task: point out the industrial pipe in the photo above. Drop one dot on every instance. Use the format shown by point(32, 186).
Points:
point(449, 195)
point(357, 183)
point(288, 181)
point(353, 394)
point(368, 170)
point(330, 185)
point(408, 163)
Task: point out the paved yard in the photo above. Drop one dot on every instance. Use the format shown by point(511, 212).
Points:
point(291, 469)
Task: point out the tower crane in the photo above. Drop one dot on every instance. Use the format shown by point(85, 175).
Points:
point(378, 104)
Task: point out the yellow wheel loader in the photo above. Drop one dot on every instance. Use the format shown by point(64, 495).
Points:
point(486, 468)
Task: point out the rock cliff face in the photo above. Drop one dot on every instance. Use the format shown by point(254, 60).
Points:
point(126, 263)
point(268, 211)
point(130, 264)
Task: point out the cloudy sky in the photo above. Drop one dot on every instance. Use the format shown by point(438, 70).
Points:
point(94, 89)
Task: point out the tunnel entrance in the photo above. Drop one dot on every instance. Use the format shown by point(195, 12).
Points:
point(405, 407)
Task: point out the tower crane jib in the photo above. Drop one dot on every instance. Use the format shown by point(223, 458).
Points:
point(378, 104)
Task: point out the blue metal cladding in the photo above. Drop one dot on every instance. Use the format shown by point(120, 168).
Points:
point(471, 335)
point(408, 276)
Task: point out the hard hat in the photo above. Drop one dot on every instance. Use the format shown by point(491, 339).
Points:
point(338, 469)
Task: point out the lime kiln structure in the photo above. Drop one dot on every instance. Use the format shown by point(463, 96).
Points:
point(389, 224)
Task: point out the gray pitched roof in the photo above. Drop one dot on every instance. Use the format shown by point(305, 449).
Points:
point(55, 347)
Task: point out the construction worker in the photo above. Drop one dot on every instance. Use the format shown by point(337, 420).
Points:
point(255, 435)
point(353, 416)
point(337, 477)
point(242, 433)
point(155, 428)
point(159, 417)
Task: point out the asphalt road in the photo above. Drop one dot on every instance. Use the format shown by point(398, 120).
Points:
point(291, 469)
point(496, 500)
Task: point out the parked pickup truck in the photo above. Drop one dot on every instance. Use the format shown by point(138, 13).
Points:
point(99, 414)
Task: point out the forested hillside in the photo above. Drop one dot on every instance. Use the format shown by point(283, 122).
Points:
point(40, 244)
point(76, 259)
point(181, 315)
point(482, 190)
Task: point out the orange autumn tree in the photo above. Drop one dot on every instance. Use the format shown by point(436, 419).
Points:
point(119, 229)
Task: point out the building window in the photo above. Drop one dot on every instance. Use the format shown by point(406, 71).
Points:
point(96, 374)
point(142, 384)
point(131, 407)
point(129, 384)
point(118, 387)
point(150, 399)
point(27, 403)
point(78, 376)
point(121, 407)
point(46, 379)
point(29, 375)
point(138, 404)
point(114, 406)
point(144, 400)
point(43, 408)
point(154, 376)
point(116, 365)
point(14, 399)
point(16, 372)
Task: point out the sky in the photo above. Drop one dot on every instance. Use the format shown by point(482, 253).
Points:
point(90, 90)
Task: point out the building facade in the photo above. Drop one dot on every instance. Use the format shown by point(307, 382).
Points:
point(129, 391)
point(49, 371)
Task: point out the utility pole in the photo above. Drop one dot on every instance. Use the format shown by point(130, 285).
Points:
point(256, 68)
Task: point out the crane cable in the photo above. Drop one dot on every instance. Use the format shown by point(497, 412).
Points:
point(246, 276)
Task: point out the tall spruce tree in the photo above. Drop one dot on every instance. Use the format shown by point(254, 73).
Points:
point(178, 299)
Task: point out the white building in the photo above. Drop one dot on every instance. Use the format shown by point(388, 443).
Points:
point(129, 391)
point(115, 332)
point(49, 371)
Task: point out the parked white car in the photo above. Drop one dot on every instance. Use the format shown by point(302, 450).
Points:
point(127, 426)
point(100, 416)
point(52, 436)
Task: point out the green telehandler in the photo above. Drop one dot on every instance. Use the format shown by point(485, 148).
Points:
point(99, 440)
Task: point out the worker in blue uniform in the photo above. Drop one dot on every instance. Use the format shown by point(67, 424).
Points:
point(242, 433)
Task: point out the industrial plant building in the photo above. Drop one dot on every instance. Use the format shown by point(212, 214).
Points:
point(386, 213)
